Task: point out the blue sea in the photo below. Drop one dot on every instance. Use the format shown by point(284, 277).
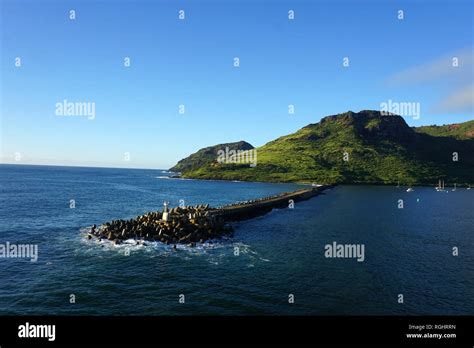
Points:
point(271, 258)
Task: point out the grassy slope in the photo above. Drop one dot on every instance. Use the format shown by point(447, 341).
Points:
point(459, 131)
point(207, 155)
point(381, 150)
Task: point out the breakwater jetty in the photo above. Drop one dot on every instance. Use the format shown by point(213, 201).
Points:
point(195, 224)
point(258, 207)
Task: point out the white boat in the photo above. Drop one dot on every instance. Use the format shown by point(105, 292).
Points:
point(410, 189)
point(440, 187)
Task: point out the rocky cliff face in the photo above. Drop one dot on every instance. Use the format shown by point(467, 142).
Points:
point(369, 123)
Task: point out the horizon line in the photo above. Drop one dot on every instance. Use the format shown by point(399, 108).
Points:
point(78, 166)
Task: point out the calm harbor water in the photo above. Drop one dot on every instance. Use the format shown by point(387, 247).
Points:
point(407, 251)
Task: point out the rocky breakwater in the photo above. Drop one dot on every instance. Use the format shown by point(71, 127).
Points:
point(180, 225)
point(196, 224)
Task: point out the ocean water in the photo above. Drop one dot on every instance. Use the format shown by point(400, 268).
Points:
point(407, 251)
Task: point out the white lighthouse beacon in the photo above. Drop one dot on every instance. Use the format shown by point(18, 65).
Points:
point(165, 211)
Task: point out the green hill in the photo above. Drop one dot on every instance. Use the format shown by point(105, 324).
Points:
point(207, 155)
point(364, 147)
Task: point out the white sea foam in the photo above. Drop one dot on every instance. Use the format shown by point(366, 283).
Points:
point(216, 251)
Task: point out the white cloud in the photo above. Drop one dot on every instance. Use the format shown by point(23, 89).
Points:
point(460, 101)
point(438, 69)
point(442, 75)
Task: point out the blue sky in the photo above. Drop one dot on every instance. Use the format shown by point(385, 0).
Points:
point(190, 62)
